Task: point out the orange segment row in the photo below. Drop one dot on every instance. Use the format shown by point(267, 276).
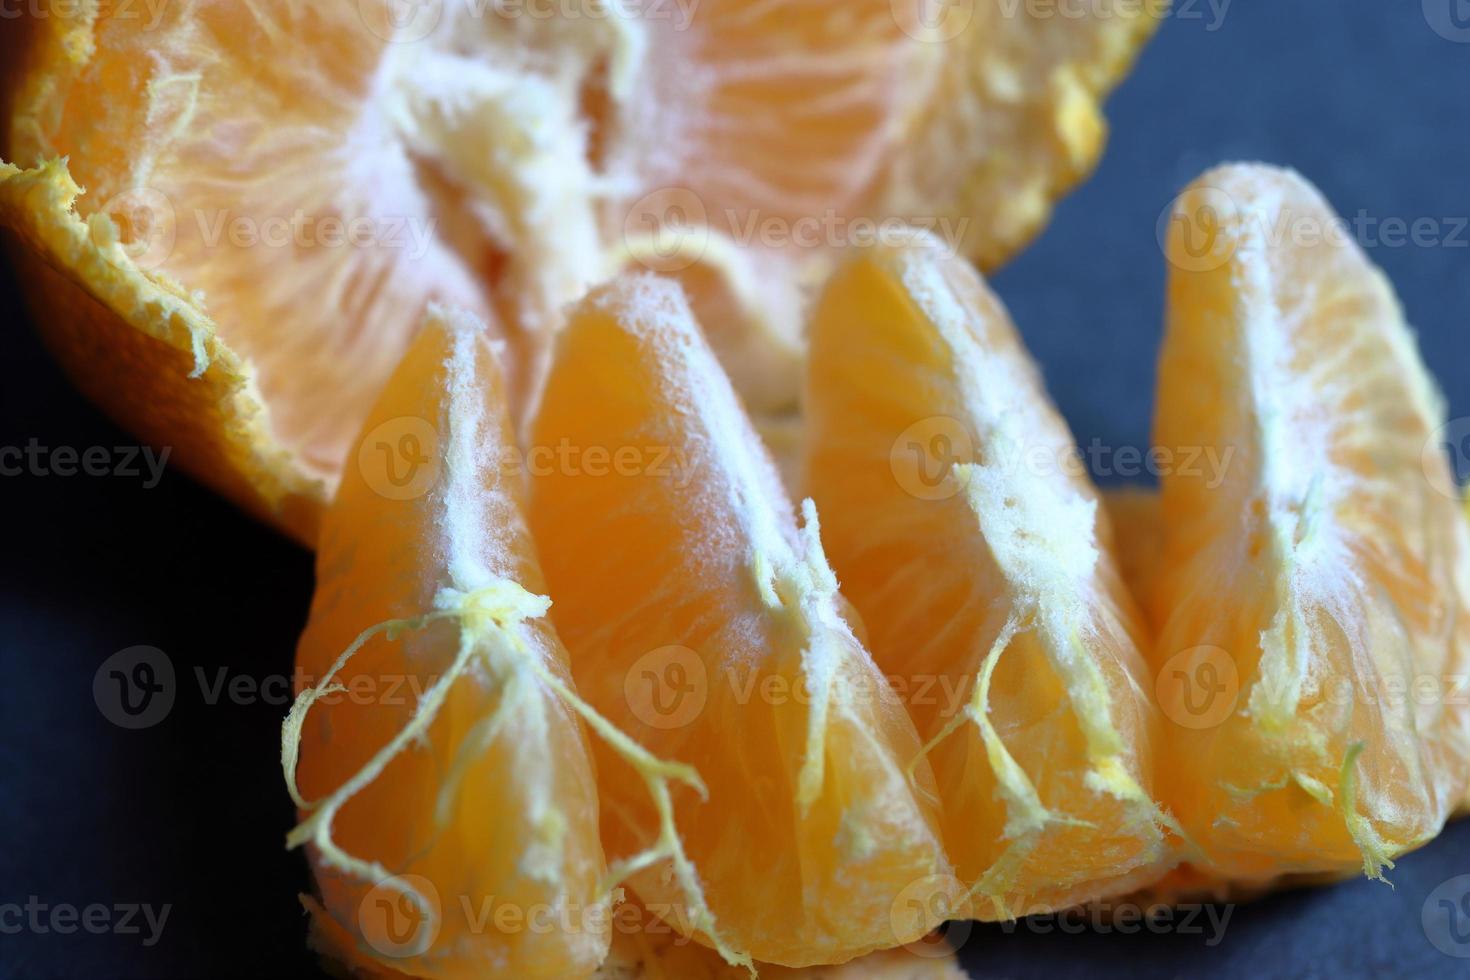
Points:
point(708, 626)
point(460, 782)
point(1017, 739)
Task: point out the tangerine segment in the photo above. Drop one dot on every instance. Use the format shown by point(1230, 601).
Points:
point(443, 774)
point(1317, 599)
point(703, 622)
point(781, 111)
point(1135, 518)
point(969, 539)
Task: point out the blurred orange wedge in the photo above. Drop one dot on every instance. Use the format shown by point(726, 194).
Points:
point(231, 217)
point(1315, 603)
point(968, 537)
point(707, 625)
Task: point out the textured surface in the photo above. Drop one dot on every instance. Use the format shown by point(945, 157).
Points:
point(97, 814)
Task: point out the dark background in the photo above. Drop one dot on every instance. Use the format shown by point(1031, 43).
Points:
point(1365, 98)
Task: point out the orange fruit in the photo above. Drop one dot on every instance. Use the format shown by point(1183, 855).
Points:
point(657, 954)
point(1315, 600)
point(705, 624)
point(1013, 120)
point(1137, 526)
point(230, 217)
point(968, 537)
point(444, 777)
point(645, 949)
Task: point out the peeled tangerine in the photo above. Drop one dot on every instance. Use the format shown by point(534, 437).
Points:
point(1315, 603)
point(969, 539)
point(443, 773)
point(231, 216)
point(708, 626)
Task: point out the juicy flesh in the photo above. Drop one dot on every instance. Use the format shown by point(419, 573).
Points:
point(1007, 576)
point(496, 804)
point(1326, 564)
point(687, 554)
point(315, 185)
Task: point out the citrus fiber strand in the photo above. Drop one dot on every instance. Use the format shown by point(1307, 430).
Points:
point(481, 621)
point(656, 774)
point(317, 828)
point(474, 744)
point(1375, 853)
point(818, 584)
point(1025, 812)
